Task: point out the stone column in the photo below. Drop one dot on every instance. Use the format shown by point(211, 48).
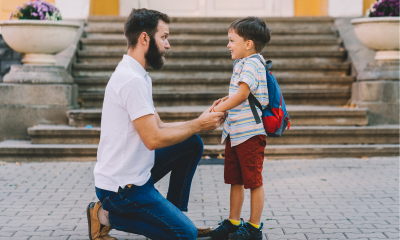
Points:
point(377, 82)
point(32, 95)
point(377, 88)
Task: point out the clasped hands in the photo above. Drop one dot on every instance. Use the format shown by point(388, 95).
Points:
point(210, 120)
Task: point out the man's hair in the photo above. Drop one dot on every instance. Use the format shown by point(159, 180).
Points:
point(142, 20)
point(252, 28)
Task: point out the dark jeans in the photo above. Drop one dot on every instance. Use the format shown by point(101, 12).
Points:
point(143, 210)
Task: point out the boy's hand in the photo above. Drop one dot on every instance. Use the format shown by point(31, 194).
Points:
point(222, 100)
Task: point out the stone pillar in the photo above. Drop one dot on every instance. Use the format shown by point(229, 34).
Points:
point(377, 88)
point(377, 82)
point(32, 95)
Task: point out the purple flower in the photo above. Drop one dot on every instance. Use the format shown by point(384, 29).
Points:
point(385, 8)
point(37, 9)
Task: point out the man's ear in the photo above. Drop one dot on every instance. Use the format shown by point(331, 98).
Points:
point(144, 38)
point(249, 44)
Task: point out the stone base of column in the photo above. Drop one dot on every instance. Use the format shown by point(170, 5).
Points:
point(37, 74)
point(33, 95)
point(380, 97)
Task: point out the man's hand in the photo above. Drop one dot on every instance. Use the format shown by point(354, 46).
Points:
point(210, 120)
point(155, 136)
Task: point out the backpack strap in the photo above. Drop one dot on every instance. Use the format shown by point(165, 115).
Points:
point(253, 102)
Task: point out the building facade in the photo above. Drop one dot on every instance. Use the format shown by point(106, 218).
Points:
point(80, 9)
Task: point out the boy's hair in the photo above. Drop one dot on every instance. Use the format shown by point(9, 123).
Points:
point(252, 28)
point(142, 20)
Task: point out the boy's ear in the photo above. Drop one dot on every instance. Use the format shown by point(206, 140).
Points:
point(249, 44)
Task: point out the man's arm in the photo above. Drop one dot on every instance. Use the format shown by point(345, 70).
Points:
point(155, 137)
point(162, 124)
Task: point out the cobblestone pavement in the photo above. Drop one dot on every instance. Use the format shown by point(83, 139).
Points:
point(305, 199)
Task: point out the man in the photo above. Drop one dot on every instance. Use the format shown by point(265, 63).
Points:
point(137, 149)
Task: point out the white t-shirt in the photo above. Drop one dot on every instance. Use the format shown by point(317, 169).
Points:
point(122, 157)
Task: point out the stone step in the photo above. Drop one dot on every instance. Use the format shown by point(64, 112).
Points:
point(334, 97)
point(300, 115)
point(219, 65)
point(316, 151)
point(287, 56)
point(206, 81)
point(220, 28)
point(25, 151)
point(305, 135)
point(276, 43)
point(387, 134)
point(278, 73)
point(288, 20)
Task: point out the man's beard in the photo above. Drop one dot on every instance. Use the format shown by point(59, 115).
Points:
point(154, 57)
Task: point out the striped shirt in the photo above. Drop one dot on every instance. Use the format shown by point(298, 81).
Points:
point(240, 123)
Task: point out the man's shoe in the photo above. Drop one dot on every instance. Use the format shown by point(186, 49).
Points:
point(203, 232)
point(247, 232)
point(96, 231)
point(226, 227)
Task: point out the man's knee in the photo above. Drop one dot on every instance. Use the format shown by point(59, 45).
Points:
point(196, 142)
point(191, 231)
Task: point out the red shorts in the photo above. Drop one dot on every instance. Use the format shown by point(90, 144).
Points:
point(244, 162)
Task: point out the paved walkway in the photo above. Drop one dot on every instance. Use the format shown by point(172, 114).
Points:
point(305, 199)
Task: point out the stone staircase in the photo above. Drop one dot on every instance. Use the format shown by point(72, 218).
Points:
point(309, 63)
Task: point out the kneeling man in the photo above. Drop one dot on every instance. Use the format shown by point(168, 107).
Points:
point(137, 149)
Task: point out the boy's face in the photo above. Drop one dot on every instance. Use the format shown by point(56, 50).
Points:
point(237, 45)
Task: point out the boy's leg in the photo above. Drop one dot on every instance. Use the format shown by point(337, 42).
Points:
point(256, 204)
point(236, 201)
point(233, 176)
point(181, 160)
point(143, 210)
point(251, 158)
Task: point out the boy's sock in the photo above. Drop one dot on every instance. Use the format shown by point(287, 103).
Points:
point(235, 222)
point(252, 224)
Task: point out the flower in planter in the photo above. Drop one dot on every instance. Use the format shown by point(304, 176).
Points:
point(384, 8)
point(36, 10)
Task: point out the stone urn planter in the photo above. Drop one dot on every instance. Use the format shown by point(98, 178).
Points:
point(380, 34)
point(38, 40)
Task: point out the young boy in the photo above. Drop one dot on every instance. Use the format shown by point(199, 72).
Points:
point(245, 140)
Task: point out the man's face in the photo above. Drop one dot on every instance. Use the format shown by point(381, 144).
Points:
point(158, 46)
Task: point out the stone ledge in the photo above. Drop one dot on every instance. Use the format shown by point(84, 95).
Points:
point(15, 120)
point(333, 97)
point(61, 95)
point(300, 115)
point(25, 151)
point(388, 134)
point(37, 74)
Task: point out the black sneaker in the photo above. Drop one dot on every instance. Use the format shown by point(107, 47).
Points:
point(247, 232)
point(226, 227)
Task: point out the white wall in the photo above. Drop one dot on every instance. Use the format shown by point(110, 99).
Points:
point(216, 8)
point(73, 9)
point(126, 6)
point(345, 8)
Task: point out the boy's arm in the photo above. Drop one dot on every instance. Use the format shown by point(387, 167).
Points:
point(235, 100)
